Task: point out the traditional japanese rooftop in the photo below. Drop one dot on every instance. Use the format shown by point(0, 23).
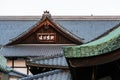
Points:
point(81, 28)
point(103, 45)
point(86, 27)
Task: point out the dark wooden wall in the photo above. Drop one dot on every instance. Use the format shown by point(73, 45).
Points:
point(109, 70)
point(60, 39)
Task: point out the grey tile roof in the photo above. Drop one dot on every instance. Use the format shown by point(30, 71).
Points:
point(87, 29)
point(11, 29)
point(38, 50)
point(50, 61)
point(51, 75)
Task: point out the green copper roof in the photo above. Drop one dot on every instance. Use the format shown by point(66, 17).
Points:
point(103, 45)
point(3, 66)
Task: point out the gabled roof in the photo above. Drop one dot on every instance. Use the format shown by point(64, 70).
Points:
point(105, 44)
point(46, 20)
point(57, 61)
point(51, 75)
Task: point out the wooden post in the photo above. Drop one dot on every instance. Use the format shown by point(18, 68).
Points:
point(93, 73)
point(27, 70)
point(12, 62)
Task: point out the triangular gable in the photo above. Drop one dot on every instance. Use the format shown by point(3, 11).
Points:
point(46, 31)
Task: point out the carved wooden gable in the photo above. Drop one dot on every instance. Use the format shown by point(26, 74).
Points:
point(46, 31)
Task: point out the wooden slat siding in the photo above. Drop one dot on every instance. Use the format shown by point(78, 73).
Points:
point(33, 38)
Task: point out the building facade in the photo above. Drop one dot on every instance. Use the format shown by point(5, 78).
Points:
point(35, 44)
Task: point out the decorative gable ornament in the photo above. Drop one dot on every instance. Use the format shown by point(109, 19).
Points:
point(46, 15)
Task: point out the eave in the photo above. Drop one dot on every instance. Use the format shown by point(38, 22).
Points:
point(103, 45)
point(96, 60)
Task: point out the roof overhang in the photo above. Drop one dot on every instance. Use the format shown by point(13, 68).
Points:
point(96, 60)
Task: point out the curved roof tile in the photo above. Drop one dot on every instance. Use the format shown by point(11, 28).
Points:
point(103, 45)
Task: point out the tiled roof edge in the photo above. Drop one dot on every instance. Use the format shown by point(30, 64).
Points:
point(14, 71)
point(46, 57)
point(41, 75)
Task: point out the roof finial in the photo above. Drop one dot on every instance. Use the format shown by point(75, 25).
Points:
point(46, 14)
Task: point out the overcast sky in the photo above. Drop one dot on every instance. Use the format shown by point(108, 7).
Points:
point(60, 7)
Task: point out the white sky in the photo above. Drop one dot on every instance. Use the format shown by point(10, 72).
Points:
point(60, 7)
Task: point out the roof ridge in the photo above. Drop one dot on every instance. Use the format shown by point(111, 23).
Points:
point(64, 17)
